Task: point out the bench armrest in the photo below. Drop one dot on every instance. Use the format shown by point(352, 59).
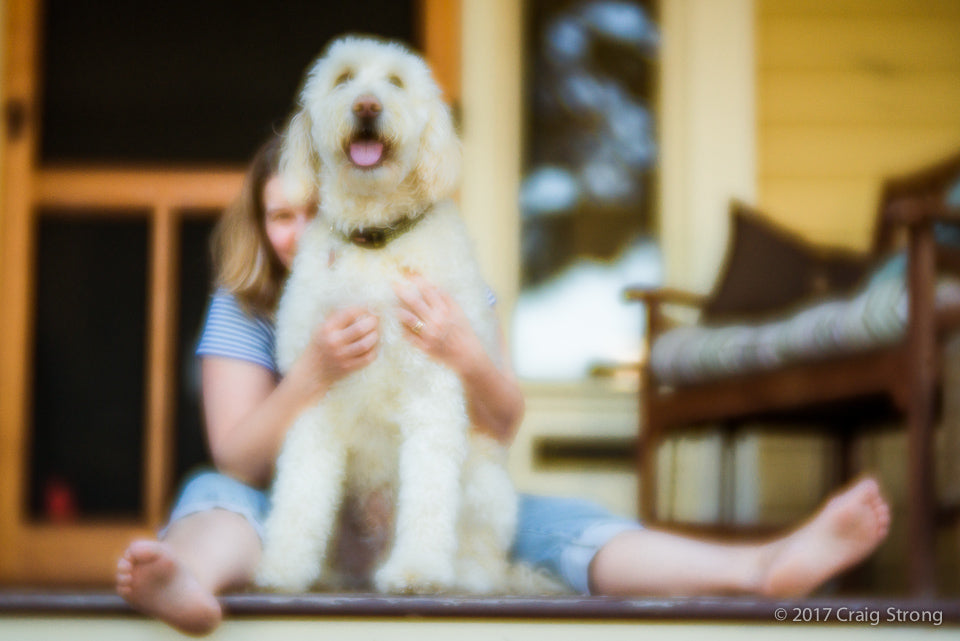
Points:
point(664, 295)
point(652, 299)
point(913, 211)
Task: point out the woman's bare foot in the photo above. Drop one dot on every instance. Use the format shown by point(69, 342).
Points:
point(155, 582)
point(845, 530)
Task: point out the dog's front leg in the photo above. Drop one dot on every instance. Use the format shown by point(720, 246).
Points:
point(305, 496)
point(434, 438)
point(488, 520)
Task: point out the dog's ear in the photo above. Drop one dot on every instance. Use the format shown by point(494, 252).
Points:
point(299, 160)
point(439, 157)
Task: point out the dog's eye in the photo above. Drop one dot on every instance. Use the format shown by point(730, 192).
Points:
point(395, 80)
point(344, 78)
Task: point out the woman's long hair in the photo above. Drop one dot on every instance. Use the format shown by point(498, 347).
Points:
point(244, 261)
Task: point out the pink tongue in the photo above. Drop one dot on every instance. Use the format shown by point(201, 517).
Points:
point(366, 153)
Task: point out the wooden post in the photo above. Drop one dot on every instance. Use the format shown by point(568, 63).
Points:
point(440, 40)
point(161, 319)
point(647, 440)
point(922, 368)
point(20, 113)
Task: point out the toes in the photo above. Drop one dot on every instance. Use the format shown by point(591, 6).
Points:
point(880, 508)
point(868, 493)
point(885, 519)
point(124, 565)
point(869, 490)
point(143, 551)
point(125, 591)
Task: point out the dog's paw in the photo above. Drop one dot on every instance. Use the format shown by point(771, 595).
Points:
point(475, 577)
point(285, 574)
point(415, 575)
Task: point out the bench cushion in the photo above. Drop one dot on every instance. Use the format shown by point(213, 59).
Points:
point(873, 318)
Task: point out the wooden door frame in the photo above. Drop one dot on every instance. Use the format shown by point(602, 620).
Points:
point(85, 553)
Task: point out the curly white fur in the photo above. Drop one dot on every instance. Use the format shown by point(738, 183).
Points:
point(401, 422)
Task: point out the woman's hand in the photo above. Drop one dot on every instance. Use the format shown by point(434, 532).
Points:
point(345, 342)
point(436, 324)
point(248, 412)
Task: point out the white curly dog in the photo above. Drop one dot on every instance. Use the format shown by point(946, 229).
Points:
point(373, 135)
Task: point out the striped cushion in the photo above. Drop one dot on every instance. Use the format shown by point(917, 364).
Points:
point(876, 317)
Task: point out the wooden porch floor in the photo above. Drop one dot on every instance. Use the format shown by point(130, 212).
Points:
point(28, 615)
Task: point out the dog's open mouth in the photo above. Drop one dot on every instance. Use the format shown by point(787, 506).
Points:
point(366, 151)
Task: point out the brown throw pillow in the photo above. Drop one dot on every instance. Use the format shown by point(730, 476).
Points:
point(770, 270)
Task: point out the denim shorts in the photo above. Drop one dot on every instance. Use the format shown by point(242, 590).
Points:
point(559, 535)
point(208, 490)
point(562, 535)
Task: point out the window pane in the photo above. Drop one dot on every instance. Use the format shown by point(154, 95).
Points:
point(185, 80)
point(195, 283)
point(586, 199)
point(89, 359)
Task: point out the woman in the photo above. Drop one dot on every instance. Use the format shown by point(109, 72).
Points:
point(212, 543)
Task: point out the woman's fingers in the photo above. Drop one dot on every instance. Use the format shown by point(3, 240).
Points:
point(412, 325)
point(361, 345)
point(427, 314)
point(342, 318)
point(412, 298)
point(436, 301)
point(408, 319)
point(429, 292)
point(357, 362)
point(348, 340)
point(348, 326)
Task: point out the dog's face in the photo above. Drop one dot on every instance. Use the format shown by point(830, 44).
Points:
point(372, 120)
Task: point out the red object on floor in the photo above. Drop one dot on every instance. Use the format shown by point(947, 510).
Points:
point(60, 501)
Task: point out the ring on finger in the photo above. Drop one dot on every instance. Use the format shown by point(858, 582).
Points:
point(417, 327)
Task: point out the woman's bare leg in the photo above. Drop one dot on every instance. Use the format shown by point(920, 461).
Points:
point(650, 562)
point(176, 579)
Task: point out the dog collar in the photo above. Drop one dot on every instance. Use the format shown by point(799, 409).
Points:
point(378, 237)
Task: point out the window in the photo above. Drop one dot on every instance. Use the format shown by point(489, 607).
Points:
point(587, 201)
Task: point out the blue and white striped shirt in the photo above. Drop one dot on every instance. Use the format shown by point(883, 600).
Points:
point(232, 332)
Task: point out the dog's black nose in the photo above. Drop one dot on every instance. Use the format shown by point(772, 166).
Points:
point(367, 106)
